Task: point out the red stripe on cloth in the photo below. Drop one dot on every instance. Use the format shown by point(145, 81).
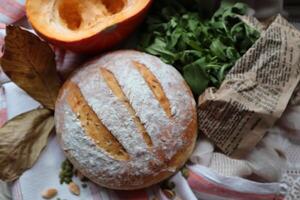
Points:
point(202, 185)
point(2, 25)
point(13, 3)
point(132, 195)
point(7, 13)
point(19, 190)
point(3, 116)
point(12, 9)
point(14, 192)
point(1, 44)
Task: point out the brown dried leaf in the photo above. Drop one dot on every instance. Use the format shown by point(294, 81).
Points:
point(22, 140)
point(30, 63)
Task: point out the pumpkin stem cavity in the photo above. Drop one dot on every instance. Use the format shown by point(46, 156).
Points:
point(78, 14)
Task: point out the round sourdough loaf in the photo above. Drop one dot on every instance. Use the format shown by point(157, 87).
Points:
point(126, 120)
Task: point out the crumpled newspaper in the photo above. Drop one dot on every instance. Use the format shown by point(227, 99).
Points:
point(255, 92)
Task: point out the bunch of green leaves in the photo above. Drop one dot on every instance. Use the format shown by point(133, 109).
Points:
point(202, 50)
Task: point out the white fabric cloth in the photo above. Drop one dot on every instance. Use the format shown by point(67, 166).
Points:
point(44, 173)
point(4, 191)
point(17, 100)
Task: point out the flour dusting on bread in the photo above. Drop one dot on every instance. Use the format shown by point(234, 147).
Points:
point(147, 109)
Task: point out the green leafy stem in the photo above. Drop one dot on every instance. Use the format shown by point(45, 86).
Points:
point(202, 50)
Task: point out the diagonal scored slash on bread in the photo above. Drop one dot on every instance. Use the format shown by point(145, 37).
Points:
point(93, 125)
point(117, 90)
point(155, 87)
point(126, 120)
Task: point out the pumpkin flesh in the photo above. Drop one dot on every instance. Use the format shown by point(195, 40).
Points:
point(75, 20)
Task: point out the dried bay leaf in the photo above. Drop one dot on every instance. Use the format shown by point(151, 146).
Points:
point(22, 140)
point(30, 63)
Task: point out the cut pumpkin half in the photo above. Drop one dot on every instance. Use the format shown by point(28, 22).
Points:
point(85, 25)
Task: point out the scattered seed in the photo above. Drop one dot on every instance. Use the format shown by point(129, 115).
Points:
point(185, 172)
point(169, 193)
point(74, 188)
point(49, 193)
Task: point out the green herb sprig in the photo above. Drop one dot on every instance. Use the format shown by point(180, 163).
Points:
point(202, 50)
point(66, 173)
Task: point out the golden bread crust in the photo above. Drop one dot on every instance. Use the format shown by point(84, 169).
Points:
point(126, 120)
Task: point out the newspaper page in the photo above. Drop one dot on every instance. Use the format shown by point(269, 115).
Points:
point(254, 93)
